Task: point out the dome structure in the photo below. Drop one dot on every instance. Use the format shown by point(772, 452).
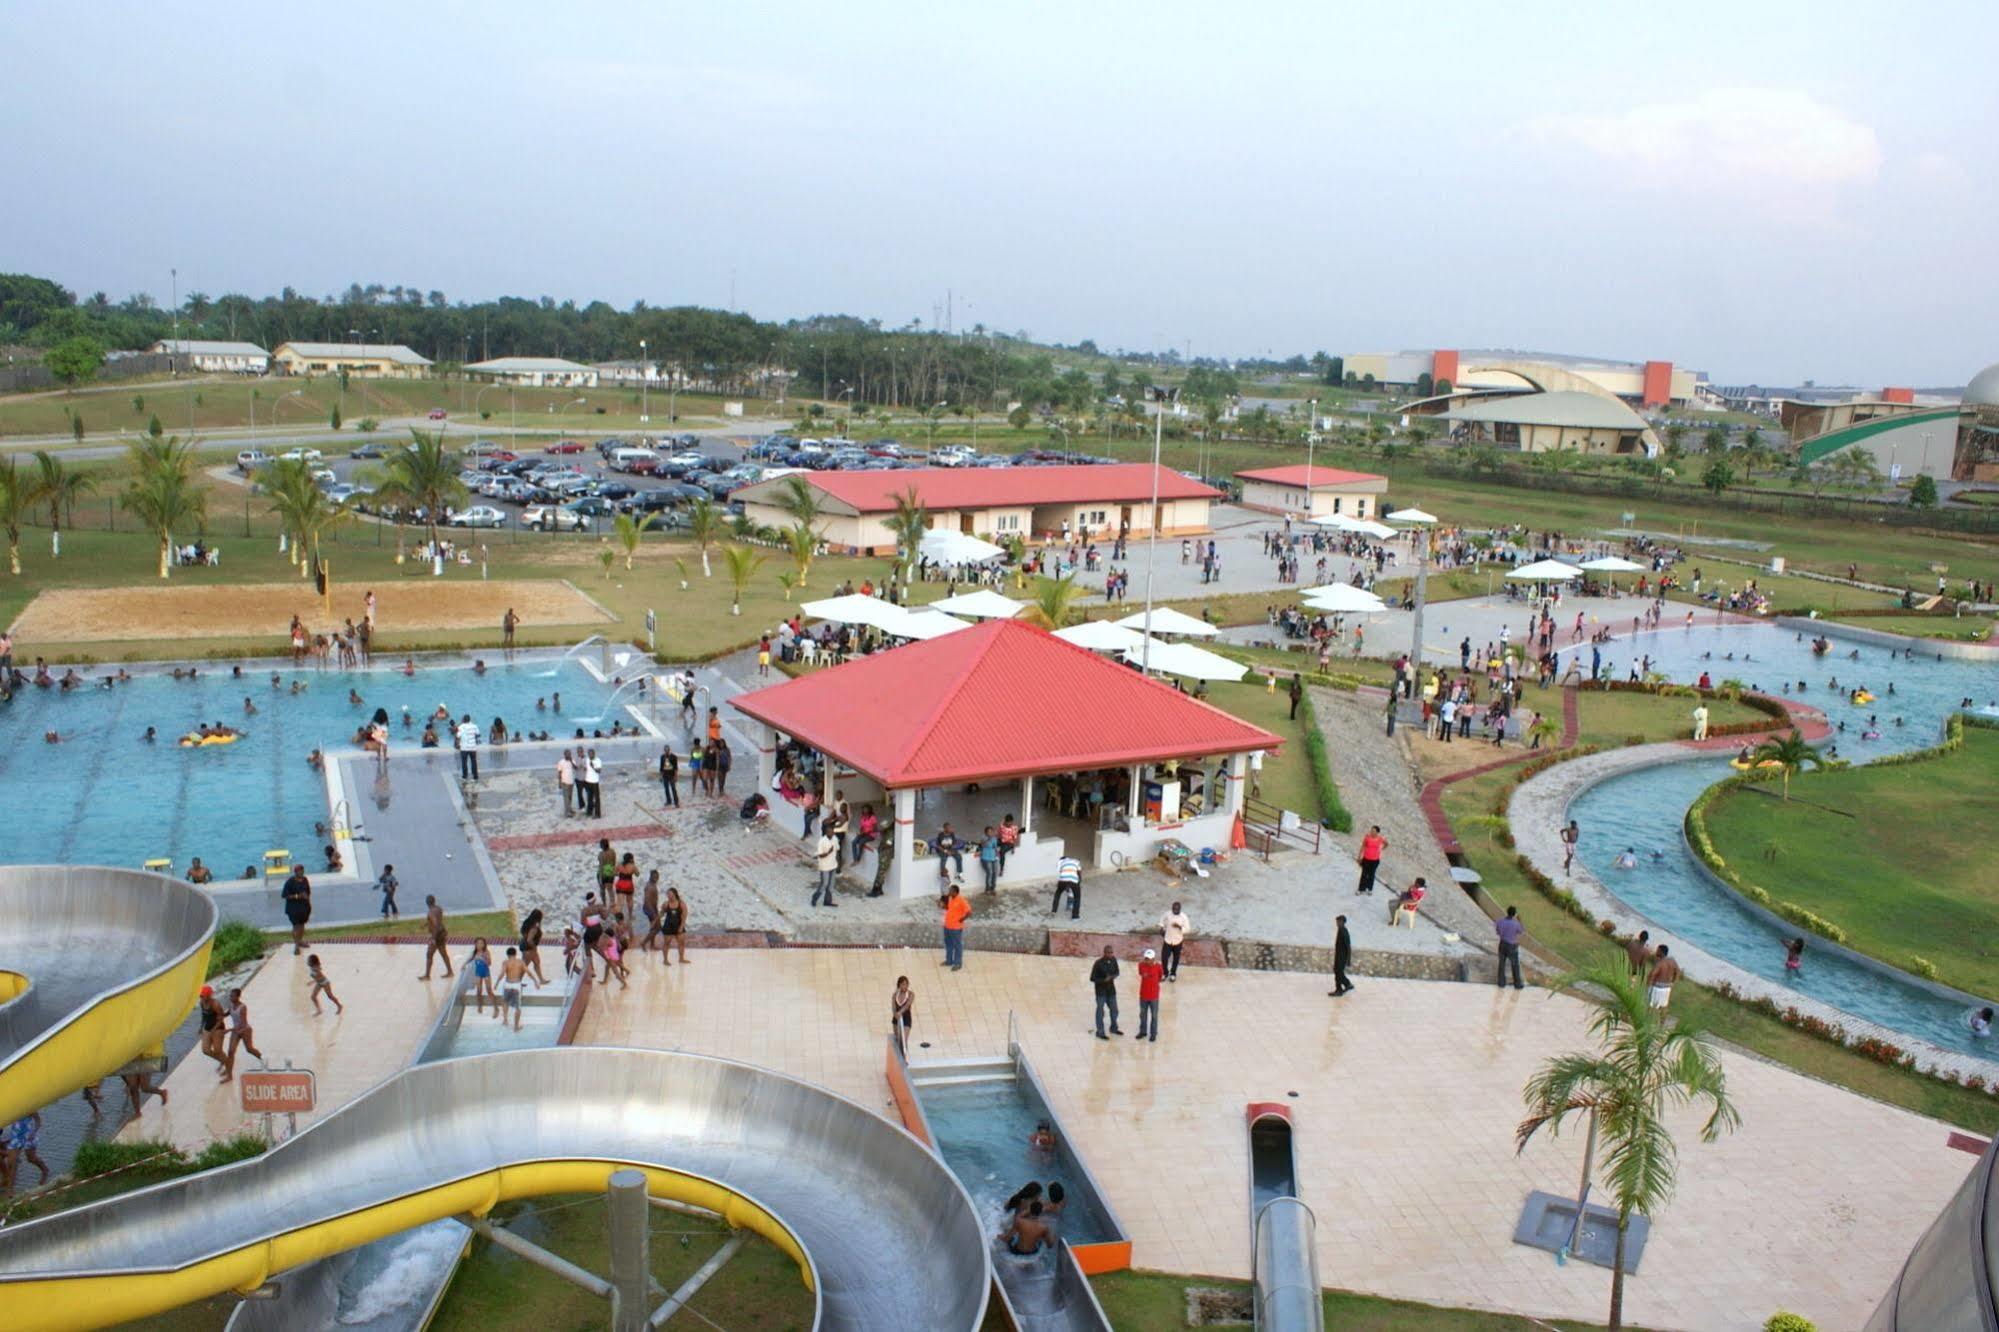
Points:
point(1983, 390)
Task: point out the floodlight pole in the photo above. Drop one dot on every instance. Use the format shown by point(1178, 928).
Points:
point(1160, 397)
point(1422, 581)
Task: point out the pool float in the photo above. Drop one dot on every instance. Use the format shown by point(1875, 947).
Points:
point(1870, 735)
point(198, 741)
point(1744, 765)
point(1861, 696)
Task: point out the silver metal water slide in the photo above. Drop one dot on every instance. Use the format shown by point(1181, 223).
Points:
point(884, 1233)
point(97, 966)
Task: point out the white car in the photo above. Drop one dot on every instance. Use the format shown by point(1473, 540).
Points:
point(952, 455)
point(249, 460)
point(479, 515)
point(301, 455)
point(540, 516)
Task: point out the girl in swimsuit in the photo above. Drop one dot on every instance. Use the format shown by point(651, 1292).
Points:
point(674, 914)
point(482, 976)
point(241, 1035)
point(316, 975)
point(531, 945)
point(614, 951)
point(625, 882)
point(901, 1011)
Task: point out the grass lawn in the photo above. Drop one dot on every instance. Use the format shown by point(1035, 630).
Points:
point(1786, 591)
point(759, 1288)
point(1287, 774)
point(491, 924)
point(1554, 931)
point(1964, 628)
point(1611, 718)
point(1895, 856)
point(1157, 1302)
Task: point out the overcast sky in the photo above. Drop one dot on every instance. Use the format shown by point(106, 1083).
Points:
point(1764, 191)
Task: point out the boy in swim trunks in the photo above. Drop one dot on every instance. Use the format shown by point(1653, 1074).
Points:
point(512, 972)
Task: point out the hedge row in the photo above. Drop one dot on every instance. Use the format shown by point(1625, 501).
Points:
point(1332, 810)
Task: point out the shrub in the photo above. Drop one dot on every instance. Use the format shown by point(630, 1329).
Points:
point(1785, 1321)
point(236, 942)
point(101, 1158)
point(1332, 810)
point(367, 423)
point(1923, 967)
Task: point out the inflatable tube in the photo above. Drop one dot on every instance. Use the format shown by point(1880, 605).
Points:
point(1861, 696)
point(199, 741)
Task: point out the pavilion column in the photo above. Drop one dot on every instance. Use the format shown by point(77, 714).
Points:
point(904, 834)
point(1026, 805)
point(766, 757)
point(1238, 774)
point(1137, 776)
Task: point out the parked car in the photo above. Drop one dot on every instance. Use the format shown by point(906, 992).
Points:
point(249, 460)
point(591, 506)
point(548, 517)
point(368, 451)
point(564, 446)
point(301, 454)
point(616, 490)
point(479, 515)
point(342, 493)
point(435, 414)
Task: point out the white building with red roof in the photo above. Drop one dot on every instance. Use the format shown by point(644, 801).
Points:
point(1036, 504)
point(1332, 490)
point(1089, 757)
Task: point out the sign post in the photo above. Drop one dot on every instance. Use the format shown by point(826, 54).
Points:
point(652, 632)
point(272, 1091)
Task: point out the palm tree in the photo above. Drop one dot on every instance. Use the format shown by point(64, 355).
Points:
point(908, 524)
point(422, 475)
point(1642, 1066)
point(13, 503)
point(742, 563)
point(628, 528)
point(59, 487)
point(797, 498)
point(1791, 753)
point(1053, 603)
point(162, 492)
point(1715, 441)
point(704, 524)
point(802, 543)
point(1676, 440)
point(302, 508)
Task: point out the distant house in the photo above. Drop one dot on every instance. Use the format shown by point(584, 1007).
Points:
point(1332, 490)
point(535, 372)
point(633, 373)
point(364, 360)
point(217, 358)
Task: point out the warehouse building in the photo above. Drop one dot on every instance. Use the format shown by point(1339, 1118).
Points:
point(362, 360)
point(215, 358)
point(1331, 490)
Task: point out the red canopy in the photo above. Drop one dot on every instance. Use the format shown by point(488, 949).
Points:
point(1003, 699)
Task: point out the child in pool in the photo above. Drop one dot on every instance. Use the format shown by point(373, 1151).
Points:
point(1794, 954)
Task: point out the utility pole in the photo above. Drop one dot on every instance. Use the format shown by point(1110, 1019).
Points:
point(1160, 397)
point(173, 348)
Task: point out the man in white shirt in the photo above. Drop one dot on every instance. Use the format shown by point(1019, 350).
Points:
point(468, 748)
point(595, 768)
point(1068, 879)
point(565, 778)
point(826, 858)
point(1173, 927)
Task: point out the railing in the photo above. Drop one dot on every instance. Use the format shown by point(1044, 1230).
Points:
point(1264, 822)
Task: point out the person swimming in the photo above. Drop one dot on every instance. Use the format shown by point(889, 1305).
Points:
point(1794, 952)
point(1627, 858)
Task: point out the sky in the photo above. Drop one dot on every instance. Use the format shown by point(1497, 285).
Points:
point(1770, 192)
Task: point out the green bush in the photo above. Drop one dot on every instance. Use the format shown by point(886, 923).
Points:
point(1923, 967)
point(236, 942)
point(100, 1158)
point(1332, 810)
point(228, 1151)
point(368, 423)
point(1785, 1321)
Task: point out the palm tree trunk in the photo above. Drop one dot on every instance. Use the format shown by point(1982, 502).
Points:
point(55, 534)
point(166, 549)
point(14, 550)
point(1617, 1272)
point(706, 572)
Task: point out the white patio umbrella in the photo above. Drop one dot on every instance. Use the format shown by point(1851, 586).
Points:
point(1545, 571)
point(945, 547)
point(1166, 620)
point(1184, 659)
point(1363, 526)
point(1100, 636)
point(1610, 564)
point(925, 624)
point(856, 609)
point(984, 604)
point(1344, 599)
point(1413, 517)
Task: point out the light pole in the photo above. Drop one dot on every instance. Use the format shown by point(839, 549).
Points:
point(1160, 397)
point(173, 352)
point(475, 400)
point(1311, 442)
point(644, 383)
point(1421, 523)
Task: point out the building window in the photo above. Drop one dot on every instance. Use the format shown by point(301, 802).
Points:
point(1336, 504)
point(1360, 506)
point(1093, 518)
point(1007, 522)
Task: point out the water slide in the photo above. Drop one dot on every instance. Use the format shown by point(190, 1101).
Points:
point(97, 967)
point(1284, 1253)
point(882, 1232)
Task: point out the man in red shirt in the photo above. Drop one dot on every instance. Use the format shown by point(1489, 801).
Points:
point(1371, 847)
point(1149, 973)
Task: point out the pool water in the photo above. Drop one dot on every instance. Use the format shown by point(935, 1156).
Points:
point(982, 1130)
point(103, 796)
point(1645, 810)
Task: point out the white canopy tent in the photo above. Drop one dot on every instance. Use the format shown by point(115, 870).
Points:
point(1184, 659)
point(1412, 517)
point(984, 604)
point(1100, 636)
point(1545, 571)
point(1363, 526)
point(1610, 564)
point(925, 624)
point(945, 547)
point(1166, 620)
point(1344, 599)
point(854, 608)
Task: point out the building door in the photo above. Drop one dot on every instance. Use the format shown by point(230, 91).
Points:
point(965, 523)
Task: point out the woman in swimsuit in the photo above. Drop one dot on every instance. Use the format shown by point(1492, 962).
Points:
point(901, 1011)
point(241, 1035)
point(625, 882)
point(531, 945)
point(482, 976)
point(649, 908)
point(211, 1024)
point(674, 915)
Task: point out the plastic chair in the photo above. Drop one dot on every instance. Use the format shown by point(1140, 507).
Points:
point(1404, 911)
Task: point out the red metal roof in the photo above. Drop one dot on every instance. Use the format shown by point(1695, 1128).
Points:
point(998, 700)
point(994, 487)
point(1294, 475)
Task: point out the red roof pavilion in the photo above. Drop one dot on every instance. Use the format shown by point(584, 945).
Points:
point(1002, 699)
point(1294, 474)
point(986, 487)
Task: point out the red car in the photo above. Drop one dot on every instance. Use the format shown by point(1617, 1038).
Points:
point(564, 446)
point(435, 413)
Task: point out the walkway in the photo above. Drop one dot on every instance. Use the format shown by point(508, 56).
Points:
point(1407, 1097)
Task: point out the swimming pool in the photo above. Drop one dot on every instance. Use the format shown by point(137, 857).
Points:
point(1645, 809)
point(104, 796)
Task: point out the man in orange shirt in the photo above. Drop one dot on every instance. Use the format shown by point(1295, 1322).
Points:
point(956, 909)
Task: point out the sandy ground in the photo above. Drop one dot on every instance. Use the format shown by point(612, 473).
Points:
point(102, 614)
